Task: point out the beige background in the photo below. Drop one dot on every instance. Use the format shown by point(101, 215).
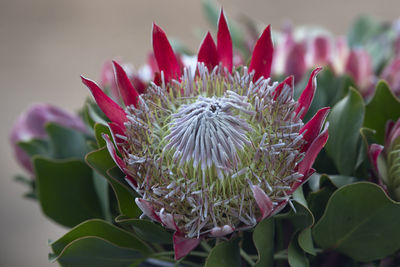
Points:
point(46, 44)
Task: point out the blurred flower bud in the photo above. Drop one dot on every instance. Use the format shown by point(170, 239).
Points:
point(391, 74)
point(31, 125)
point(321, 51)
point(296, 61)
point(386, 159)
point(359, 66)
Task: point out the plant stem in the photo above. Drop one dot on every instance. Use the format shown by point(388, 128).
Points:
point(205, 246)
point(246, 257)
point(199, 254)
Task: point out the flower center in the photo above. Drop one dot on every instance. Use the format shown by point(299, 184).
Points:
point(210, 132)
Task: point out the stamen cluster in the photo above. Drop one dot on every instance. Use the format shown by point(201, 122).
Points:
point(196, 153)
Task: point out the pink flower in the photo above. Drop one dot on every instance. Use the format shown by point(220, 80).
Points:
point(31, 125)
point(217, 152)
point(391, 73)
point(359, 66)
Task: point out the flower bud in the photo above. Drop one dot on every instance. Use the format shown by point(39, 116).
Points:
point(385, 160)
point(391, 74)
point(359, 66)
point(31, 125)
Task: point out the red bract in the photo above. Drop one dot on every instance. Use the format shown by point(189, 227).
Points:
point(190, 144)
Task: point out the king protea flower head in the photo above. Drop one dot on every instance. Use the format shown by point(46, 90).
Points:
point(218, 151)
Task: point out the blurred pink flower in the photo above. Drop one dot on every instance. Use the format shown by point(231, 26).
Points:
point(31, 125)
point(359, 66)
point(391, 74)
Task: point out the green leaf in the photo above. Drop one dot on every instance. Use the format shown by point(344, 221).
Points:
point(30, 183)
point(361, 222)
point(99, 129)
point(65, 191)
point(225, 254)
point(303, 219)
point(103, 230)
point(345, 121)
point(95, 113)
point(384, 106)
point(263, 238)
point(66, 142)
point(364, 28)
point(317, 200)
point(35, 147)
point(101, 188)
point(94, 251)
point(331, 88)
point(147, 230)
point(296, 255)
point(101, 161)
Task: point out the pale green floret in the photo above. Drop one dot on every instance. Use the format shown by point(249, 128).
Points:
point(197, 145)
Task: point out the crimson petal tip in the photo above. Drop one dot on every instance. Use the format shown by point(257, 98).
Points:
point(261, 60)
point(224, 43)
point(111, 109)
point(126, 89)
point(164, 54)
point(307, 95)
point(208, 52)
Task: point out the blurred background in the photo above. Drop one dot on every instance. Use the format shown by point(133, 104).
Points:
point(46, 44)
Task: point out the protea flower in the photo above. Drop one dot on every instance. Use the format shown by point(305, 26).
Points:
point(359, 66)
point(385, 160)
point(305, 48)
point(31, 125)
point(216, 152)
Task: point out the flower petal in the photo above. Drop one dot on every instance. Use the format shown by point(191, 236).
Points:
point(112, 110)
point(321, 49)
point(126, 89)
point(302, 181)
point(374, 151)
point(111, 149)
point(263, 201)
point(168, 220)
point(221, 231)
point(261, 60)
point(307, 95)
point(313, 127)
point(183, 245)
point(165, 56)
point(208, 52)
point(224, 43)
point(295, 62)
point(313, 150)
point(289, 81)
point(147, 209)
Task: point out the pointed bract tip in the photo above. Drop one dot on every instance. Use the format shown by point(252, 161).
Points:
point(183, 245)
point(224, 43)
point(261, 59)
